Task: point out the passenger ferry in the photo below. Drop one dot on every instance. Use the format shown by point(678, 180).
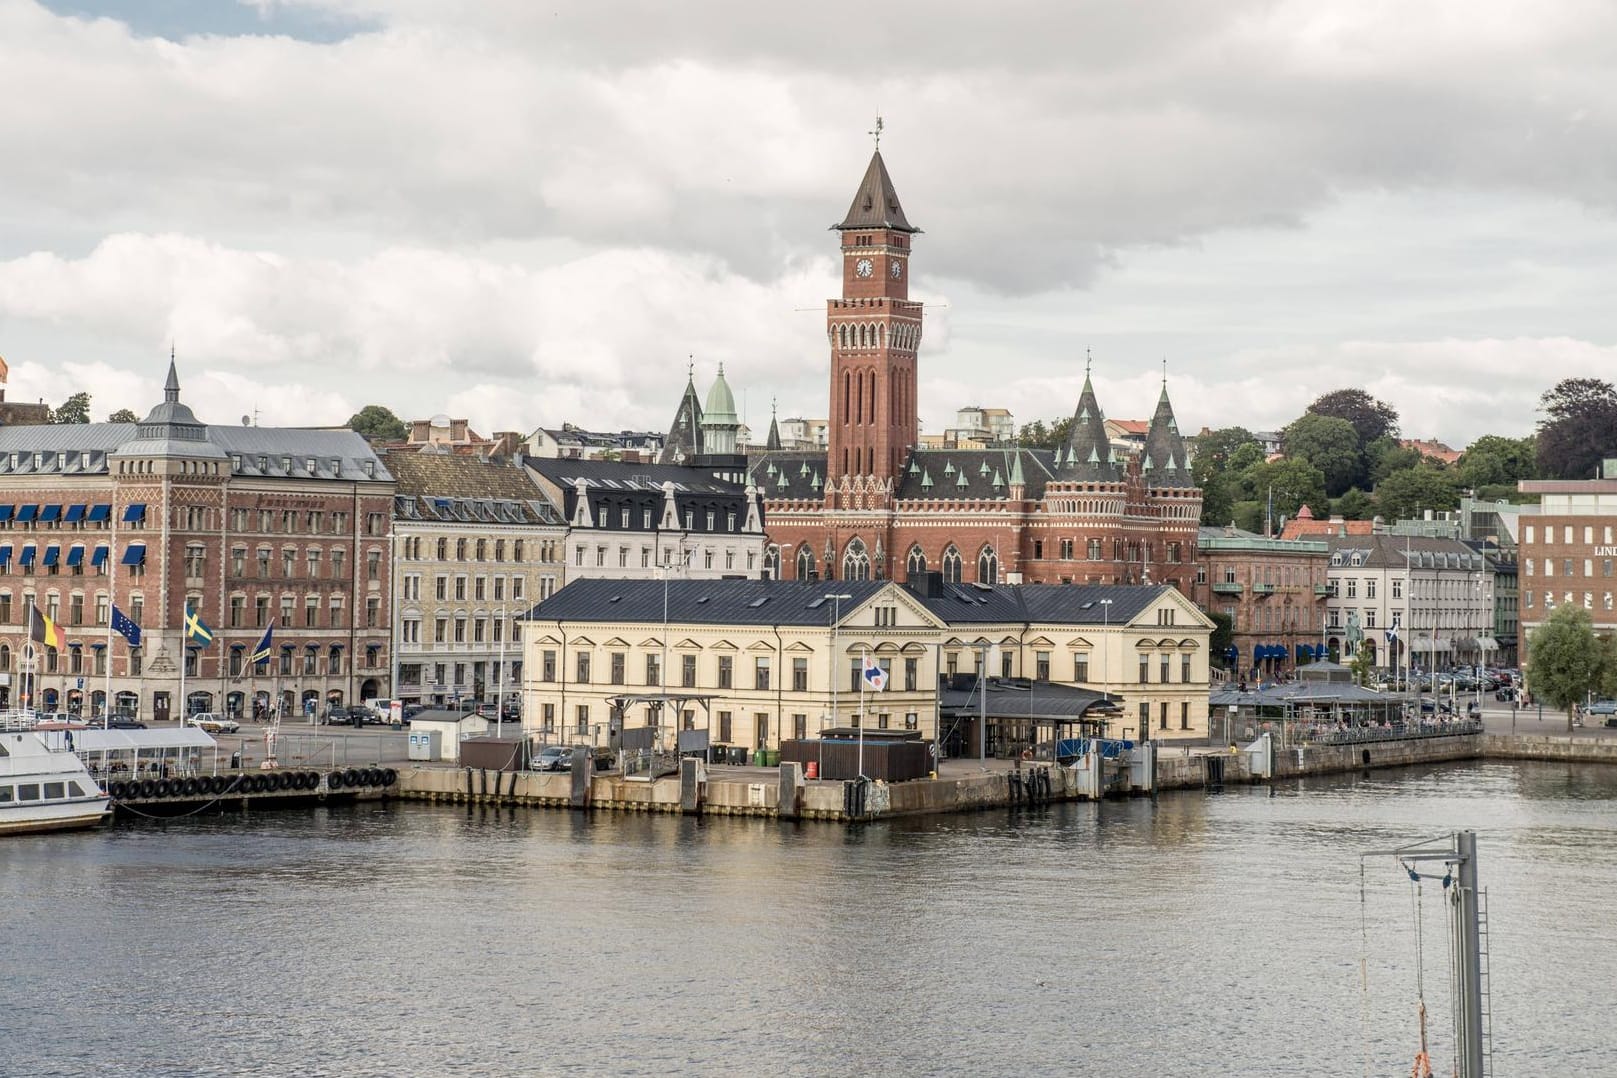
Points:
point(43, 788)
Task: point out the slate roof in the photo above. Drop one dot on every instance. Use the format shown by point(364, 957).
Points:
point(452, 488)
point(1164, 461)
point(875, 204)
point(684, 442)
point(617, 475)
point(1384, 551)
point(1062, 604)
point(1023, 698)
point(981, 474)
point(789, 474)
point(704, 602)
point(1087, 456)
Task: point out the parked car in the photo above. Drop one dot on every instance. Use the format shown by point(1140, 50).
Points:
point(124, 722)
point(1603, 707)
point(555, 758)
point(214, 723)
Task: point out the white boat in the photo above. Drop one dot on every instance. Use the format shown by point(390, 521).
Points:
point(43, 788)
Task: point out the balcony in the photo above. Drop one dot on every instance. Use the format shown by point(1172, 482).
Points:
point(1227, 588)
point(1263, 589)
point(1325, 591)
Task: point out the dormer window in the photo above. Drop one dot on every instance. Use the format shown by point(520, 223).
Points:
point(84, 461)
point(308, 465)
point(235, 462)
point(370, 469)
point(39, 461)
point(286, 464)
point(263, 464)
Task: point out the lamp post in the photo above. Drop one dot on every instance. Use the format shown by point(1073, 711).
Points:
point(836, 634)
point(1269, 510)
point(1105, 646)
point(499, 680)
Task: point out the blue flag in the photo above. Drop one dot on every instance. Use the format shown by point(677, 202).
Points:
point(125, 628)
point(261, 653)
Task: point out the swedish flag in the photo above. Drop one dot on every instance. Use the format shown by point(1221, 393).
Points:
point(196, 630)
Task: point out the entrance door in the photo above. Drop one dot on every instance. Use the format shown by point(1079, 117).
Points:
point(160, 706)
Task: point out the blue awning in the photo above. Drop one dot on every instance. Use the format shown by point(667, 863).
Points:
point(99, 558)
point(97, 647)
point(75, 556)
point(99, 512)
point(5, 512)
point(26, 556)
point(53, 554)
point(50, 514)
point(134, 554)
point(5, 553)
point(74, 514)
point(25, 513)
point(135, 512)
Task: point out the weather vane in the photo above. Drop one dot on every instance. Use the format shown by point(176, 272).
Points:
point(1164, 370)
point(876, 134)
point(1088, 360)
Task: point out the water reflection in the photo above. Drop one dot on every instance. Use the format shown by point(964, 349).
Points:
point(1192, 935)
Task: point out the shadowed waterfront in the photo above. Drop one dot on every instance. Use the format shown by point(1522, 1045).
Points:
point(1191, 936)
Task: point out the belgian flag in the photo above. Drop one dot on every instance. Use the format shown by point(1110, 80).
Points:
point(43, 630)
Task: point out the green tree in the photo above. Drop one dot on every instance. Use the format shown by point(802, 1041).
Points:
point(1607, 685)
point(1371, 419)
point(76, 409)
point(123, 415)
point(1406, 493)
point(1563, 658)
point(378, 423)
point(1216, 450)
point(1041, 435)
point(1223, 636)
point(1364, 662)
point(1384, 456)
point(1355, 505)
point(1579, 428)
point(1292, 483)
point(1493, 461)
point(1329, 444)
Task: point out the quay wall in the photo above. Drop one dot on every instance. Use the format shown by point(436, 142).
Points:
point(1540, 747)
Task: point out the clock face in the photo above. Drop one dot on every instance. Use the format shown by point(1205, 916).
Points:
point(897, 269)
point(864, 267)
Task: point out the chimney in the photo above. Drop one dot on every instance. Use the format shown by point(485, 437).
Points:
point(927, 584)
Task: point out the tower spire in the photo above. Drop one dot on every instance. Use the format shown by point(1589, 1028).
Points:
point(876, 134)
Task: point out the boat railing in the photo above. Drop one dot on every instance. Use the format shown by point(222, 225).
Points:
point(17, 719)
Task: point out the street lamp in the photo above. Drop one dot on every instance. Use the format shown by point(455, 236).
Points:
point(836, 618)
point(1106, 643)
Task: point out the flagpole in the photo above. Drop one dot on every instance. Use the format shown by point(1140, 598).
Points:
point(864, 666)
point(112, 604)
point(183, 628)
point(29, 657)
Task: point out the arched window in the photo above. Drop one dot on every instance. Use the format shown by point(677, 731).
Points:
point(856, 561)
point(988, 566)
point(5, 656)
point(772, 563)
point(915, 564)
point(805, 563)
point(951, 565)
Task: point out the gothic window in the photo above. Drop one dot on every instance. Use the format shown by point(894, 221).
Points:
point(988, 566)
point(805, 563)
point(772, 563)
point(916, 562)
point(951, 565)
point(855, 561)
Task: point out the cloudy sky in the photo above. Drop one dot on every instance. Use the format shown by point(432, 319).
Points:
point(529, 213)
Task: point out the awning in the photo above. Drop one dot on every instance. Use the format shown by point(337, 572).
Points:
point(1487, 643)
point(75, 556)
point(49, 514)
point(99, 558)
point(53, 554)
point(135, 512)
point(5, 553)
point(1425, 644)
point(5, 512)
point(134, 554)
point(26, 557)
point(25, 513)
point(74, 514)
point(99, 512)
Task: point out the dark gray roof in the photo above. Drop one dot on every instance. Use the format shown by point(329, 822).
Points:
point(1087, 456)
point(707, 602)
point(1164, 461)
point(617, 475)
point(875, 204)
point(445, 487)
point(790, 474)
point(1023, 698)
point(1381, 550)
point(684, 442)
point(978, 474)
point(1069, 604)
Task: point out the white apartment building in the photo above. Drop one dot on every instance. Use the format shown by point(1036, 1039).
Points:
point(1438, 592)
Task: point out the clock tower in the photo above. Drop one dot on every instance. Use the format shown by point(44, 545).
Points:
point(875, 331)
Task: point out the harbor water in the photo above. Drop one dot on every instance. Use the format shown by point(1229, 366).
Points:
point(1193, 935)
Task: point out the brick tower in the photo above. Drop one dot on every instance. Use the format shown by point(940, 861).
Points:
point(874, 332)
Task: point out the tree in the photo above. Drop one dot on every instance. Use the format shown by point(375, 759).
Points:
point(1563, 658)
point(1329, 444)
point(1293, 483)
point(1363, 662)
point(378, 423)
point(123, 415)
point(1371, 418)
point(1355, 505)
point(1607, 685)
point(1040, 435)
point(76, 409)
point(1218, 646)
point(1384, 456)
point(1493, 461)
point(1406, 493)
point(1215, 451)
point(1579, 428)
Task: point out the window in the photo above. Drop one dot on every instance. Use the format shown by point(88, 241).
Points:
point(1353, 587)
point(724, 727)
point(760, 672)
point(1080, 669)
point(618, 660)
point(547, 666)
point(1398, 583)
point(1041, 665)
point(800, 727)
point(1166, 676)
point(687, 671)
point(799, 675)
point(311, 611)
point(951, 565)
point(987, 566)
point(1184, 714)
point(1145, 669)
point(654, 671)
point(1370, 588)
point(440, 630)
point(238, 610)
point(1184, 669)
point(583, 667)
point(727, 665)
point(912, 673)
point(583, 714)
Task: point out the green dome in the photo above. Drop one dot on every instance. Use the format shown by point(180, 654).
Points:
point(720, 409)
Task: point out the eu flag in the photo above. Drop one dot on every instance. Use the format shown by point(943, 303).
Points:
point(125, 628)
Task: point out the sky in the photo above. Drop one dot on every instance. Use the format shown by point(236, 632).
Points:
point(532, 213)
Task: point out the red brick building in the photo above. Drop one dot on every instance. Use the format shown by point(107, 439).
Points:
point(252, 526)
point(874, 505)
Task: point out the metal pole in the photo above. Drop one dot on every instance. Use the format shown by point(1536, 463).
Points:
point(982, 701)
point(1468, 950)
point(499, 683)
point(864, 659)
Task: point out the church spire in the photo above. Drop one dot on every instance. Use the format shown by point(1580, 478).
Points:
point(684, 442)
point(1088, 449)
point(1164, 447)
point(875, 203)
point(773, 442)
point(171, 388)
